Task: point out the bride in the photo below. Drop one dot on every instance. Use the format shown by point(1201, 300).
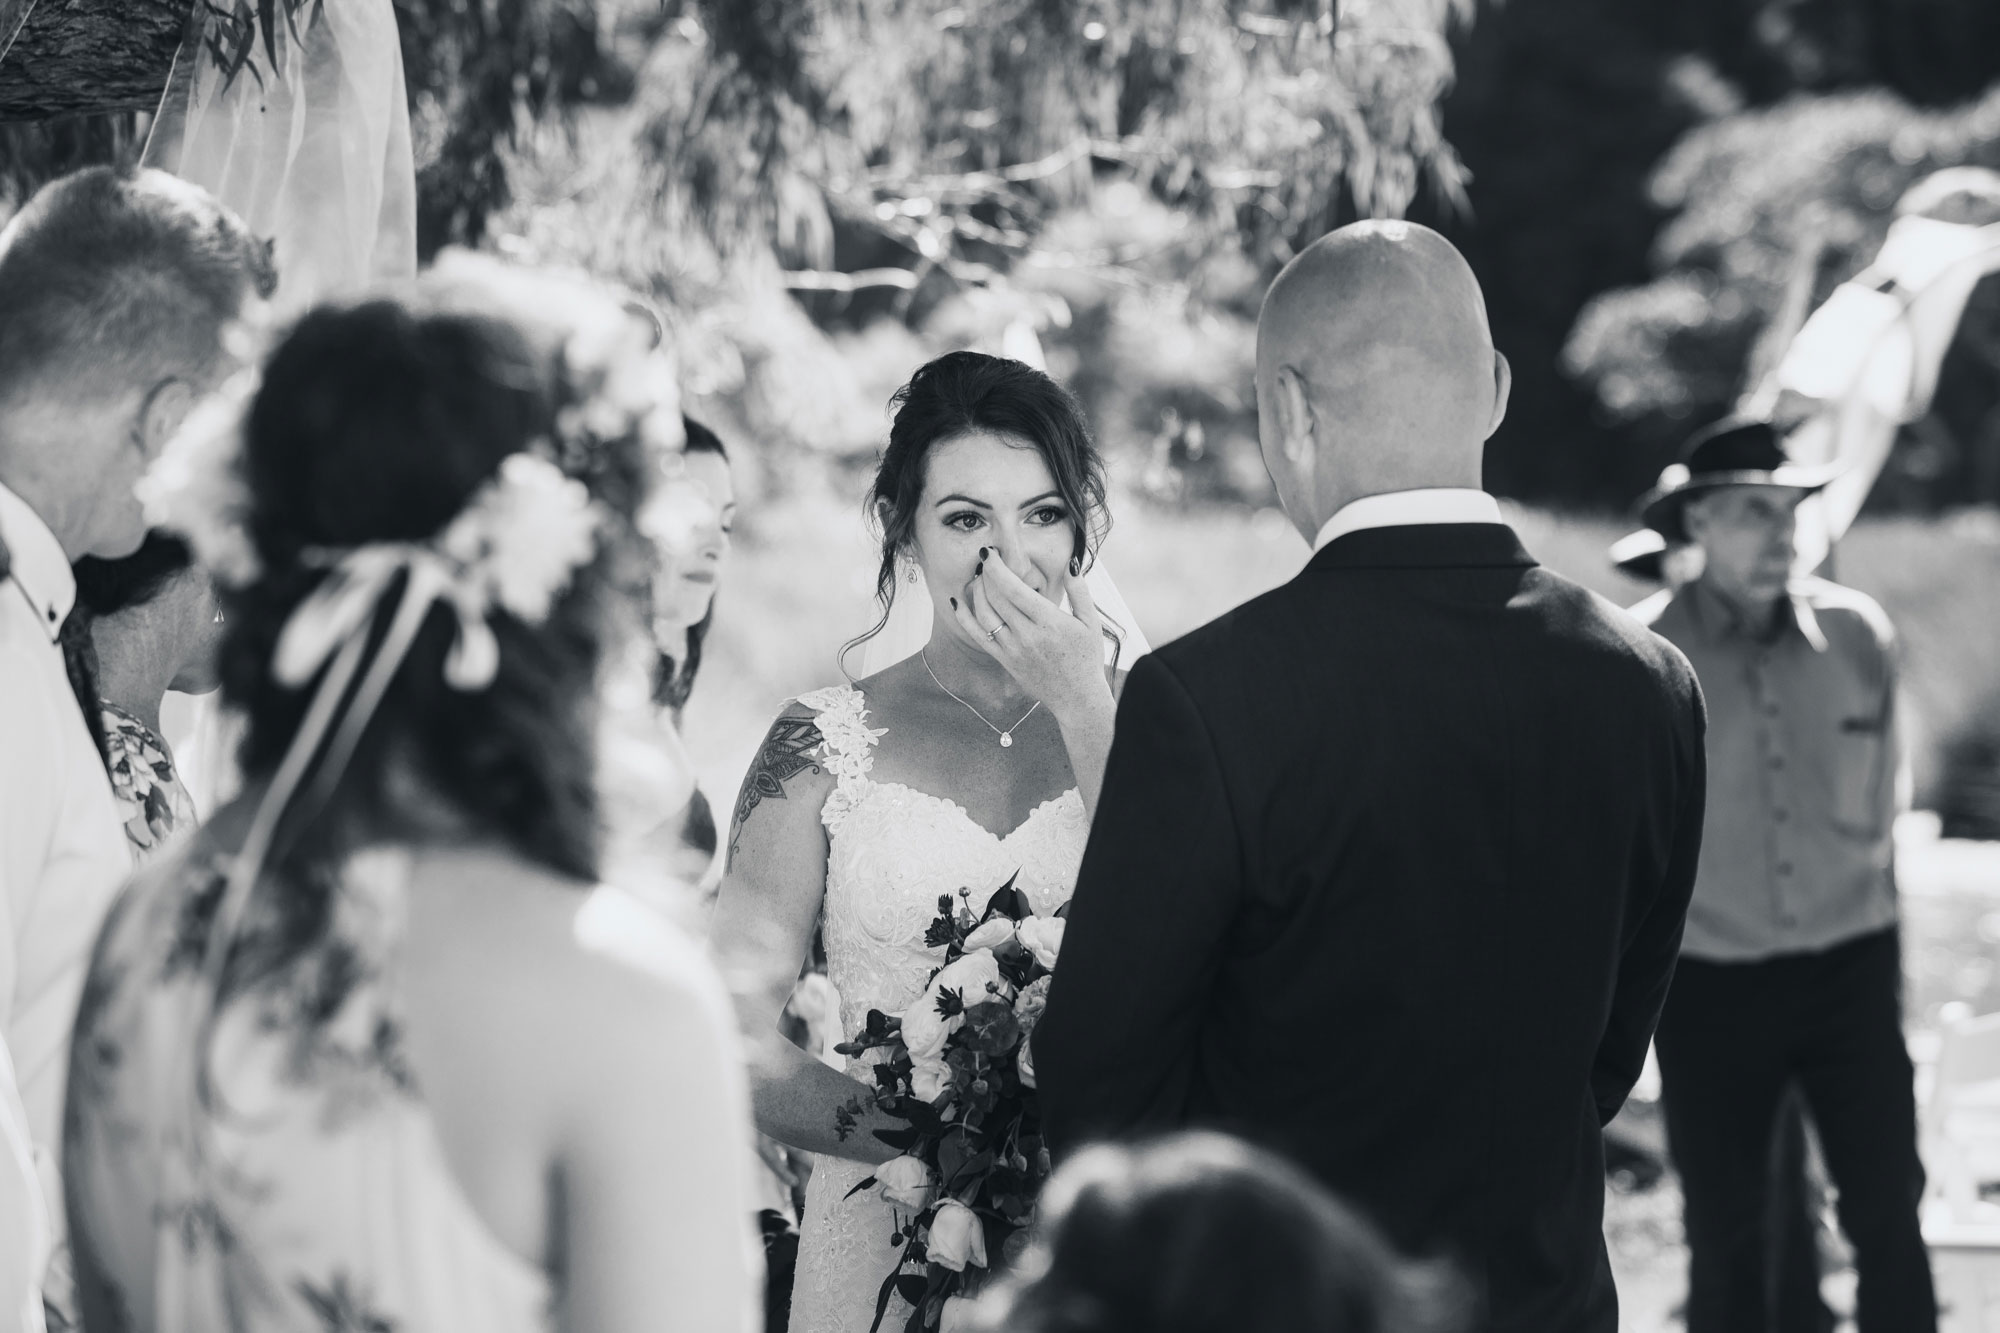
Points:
point(975, 759)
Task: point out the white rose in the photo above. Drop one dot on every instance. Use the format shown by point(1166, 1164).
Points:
point(929, 1079)
point(957, 1238)
point(925, 1030)
point(1024, 1063)
point(991, 935)
point(907, 1181)
point(975, 977)
point(1044, 936)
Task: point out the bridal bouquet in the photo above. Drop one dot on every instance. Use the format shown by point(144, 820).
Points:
point(957, 1066)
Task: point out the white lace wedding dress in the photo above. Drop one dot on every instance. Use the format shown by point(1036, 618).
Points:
point(894, 851)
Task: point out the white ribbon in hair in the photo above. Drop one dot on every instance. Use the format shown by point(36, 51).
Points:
point(331, 627)
point(344, 605)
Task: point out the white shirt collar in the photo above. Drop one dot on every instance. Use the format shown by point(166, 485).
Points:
point(1394, 509)
point(40, 569)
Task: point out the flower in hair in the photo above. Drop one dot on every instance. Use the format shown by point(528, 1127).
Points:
point(196, 486)
point(525, 534)
point(516, 545)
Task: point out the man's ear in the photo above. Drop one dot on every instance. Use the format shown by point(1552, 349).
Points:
point(162, 413)
point(1503, 385)
point(1297, 427)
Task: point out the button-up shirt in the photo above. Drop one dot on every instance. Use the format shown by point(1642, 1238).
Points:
point(1796, 853)
point(62, 851)
point(1395, 509)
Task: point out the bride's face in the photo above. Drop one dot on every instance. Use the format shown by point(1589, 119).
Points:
point(984, 489)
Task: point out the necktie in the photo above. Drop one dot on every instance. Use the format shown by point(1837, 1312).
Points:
point(80, 663)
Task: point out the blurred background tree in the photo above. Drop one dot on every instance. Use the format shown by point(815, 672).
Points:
point(821, 193)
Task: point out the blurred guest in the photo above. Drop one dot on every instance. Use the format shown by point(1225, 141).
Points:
point(154, 626)
point(1790, 967)
point(1798, 1199)
point(371, 1050)
point(116, 287)
point(1201, 1233)
point(684, 608)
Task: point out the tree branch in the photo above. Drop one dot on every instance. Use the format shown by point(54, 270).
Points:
point(87, 57)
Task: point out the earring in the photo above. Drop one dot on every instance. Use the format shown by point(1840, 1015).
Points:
point(910, 573)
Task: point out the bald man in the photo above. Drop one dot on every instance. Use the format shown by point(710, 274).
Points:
point(1390, 865)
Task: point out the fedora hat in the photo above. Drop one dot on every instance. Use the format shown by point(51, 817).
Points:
point(1736, 451)
point(1640, 555)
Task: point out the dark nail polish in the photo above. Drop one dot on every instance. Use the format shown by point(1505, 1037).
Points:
point(954, 603)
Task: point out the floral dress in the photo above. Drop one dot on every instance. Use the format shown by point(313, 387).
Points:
point(304, 1189)
point(152, 803)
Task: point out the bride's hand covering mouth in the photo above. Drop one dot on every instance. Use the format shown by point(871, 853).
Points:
point(1054, 654)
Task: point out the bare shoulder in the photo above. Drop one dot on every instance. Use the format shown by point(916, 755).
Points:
point(790, 764)
point(565, 970)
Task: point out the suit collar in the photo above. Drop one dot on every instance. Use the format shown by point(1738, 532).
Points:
point(40, 569)
point(1391, 509)
point(1426, 546)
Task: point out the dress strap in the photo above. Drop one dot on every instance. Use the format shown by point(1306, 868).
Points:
point(847, 742)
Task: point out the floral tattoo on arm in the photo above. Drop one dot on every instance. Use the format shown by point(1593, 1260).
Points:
point(789, 749)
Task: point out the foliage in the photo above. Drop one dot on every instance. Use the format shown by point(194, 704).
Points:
point(232, 30)
point(478, 72)
point(1562, 110)
point(1748, 194)
point(923, 175)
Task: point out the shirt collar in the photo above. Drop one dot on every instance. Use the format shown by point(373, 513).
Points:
point(1394, 509)
point(40, 569)
point(1720, 619)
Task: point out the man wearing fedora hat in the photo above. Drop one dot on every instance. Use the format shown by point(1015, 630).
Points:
point(1791, 968)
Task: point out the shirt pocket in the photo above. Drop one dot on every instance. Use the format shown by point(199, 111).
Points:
point(1860, 775)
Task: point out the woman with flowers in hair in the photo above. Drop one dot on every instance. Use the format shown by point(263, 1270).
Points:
point(373, 1050)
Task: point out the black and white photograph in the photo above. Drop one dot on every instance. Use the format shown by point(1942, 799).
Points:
point(999, 666)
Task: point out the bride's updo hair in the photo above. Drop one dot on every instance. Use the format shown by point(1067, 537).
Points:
point(377, 422)
point(962, 392)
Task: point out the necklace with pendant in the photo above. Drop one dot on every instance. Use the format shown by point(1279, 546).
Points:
point(1007, 736)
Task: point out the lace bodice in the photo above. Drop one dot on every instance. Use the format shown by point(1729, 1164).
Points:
point(893, 850)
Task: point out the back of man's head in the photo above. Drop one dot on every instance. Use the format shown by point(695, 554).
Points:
point(112, 280)
point(1375, 367)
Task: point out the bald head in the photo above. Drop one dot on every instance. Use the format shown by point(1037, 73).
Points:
point(1375, 369)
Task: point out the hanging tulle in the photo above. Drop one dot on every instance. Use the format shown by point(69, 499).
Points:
point(1870, 357)
point(312, 150)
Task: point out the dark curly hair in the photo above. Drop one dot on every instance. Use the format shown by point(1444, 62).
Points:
point(106, 587)
point(1200, 1233)
point(956, 394)
point(377, 422)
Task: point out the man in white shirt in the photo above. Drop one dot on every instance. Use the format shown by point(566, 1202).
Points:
point(117, 286)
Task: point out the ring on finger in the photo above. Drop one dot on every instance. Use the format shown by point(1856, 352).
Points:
point(994, 633)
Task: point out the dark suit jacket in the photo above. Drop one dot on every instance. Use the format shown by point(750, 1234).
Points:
point(1389, 874)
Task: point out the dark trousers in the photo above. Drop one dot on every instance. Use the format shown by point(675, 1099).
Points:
point(1731, 1040)
point(1791, 1227)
